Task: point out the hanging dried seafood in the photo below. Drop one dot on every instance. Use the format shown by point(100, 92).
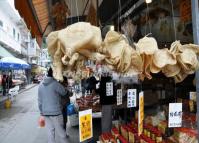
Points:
point(71, 47)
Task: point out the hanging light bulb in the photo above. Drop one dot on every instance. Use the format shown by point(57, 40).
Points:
point(112, 28)
point(148, 1)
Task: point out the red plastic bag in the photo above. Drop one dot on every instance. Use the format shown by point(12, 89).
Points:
point(41, 121)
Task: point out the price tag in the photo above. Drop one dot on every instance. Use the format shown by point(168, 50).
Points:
point(85, 125)
point(192, 96)
point(119, 96)
point(175, 115)
point(131, 98)
point(109, 89)
point(141, 113)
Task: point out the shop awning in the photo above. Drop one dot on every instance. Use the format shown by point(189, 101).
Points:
point(35, 14)
point(4, 52)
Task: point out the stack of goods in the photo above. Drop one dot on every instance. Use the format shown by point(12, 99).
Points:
point(185, 135)
point(153, 134)
point(79, 42)
point(107, 138)
point(89, 102)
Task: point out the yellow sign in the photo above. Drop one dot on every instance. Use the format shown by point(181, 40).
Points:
point(85, 125)
point(141, 113)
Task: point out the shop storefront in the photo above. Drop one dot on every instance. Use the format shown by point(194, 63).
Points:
point(144, 75)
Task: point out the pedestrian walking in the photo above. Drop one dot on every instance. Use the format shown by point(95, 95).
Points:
point(9, 81)
point(4, 84)
point(49, 94)
point(65, 101)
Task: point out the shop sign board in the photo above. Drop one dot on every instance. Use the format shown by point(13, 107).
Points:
point(119, 97)
point(141, 113)
point(85, 125)
point(109, 89)
point(192, 96)
point(131, 98)
point(175, 115)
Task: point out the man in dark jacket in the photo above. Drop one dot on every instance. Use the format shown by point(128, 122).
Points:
point(65, 101)
point(49, 94)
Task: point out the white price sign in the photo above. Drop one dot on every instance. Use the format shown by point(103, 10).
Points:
point(131, 98)
point(192, 96)
point(175, 115)
point(119, 96)
point(109, 89)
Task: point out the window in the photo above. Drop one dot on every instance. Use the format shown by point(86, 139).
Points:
point(13, 31)
point(1, 23)
point(18, 37)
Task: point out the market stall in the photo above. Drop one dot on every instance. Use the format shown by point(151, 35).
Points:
point(144, 52)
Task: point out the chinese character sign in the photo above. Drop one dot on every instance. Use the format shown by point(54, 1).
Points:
point(109, 89)
point(119, 96)
point(85, 125)
point(175, 115)
point(131, 98)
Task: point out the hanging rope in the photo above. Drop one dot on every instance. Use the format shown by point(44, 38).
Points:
point(148, 18)
point(174, 26)
point(175, 96)
point(119, 14)
point(71, 12)
point(77, 10)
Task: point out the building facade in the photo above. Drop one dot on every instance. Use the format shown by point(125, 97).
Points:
point(15, 37)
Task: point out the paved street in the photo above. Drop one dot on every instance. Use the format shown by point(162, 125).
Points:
point(20, 123)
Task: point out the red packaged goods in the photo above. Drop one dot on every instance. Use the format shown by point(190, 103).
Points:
point(143, 138)
point(131, 134)
point(185, 135)
point(103, 138)
point(158, 136)
point(153, 134)
point(163, 126)
point(121, 139)
point(115, 132)
point(107, 138)
point(124, 131)
point(137, 138)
